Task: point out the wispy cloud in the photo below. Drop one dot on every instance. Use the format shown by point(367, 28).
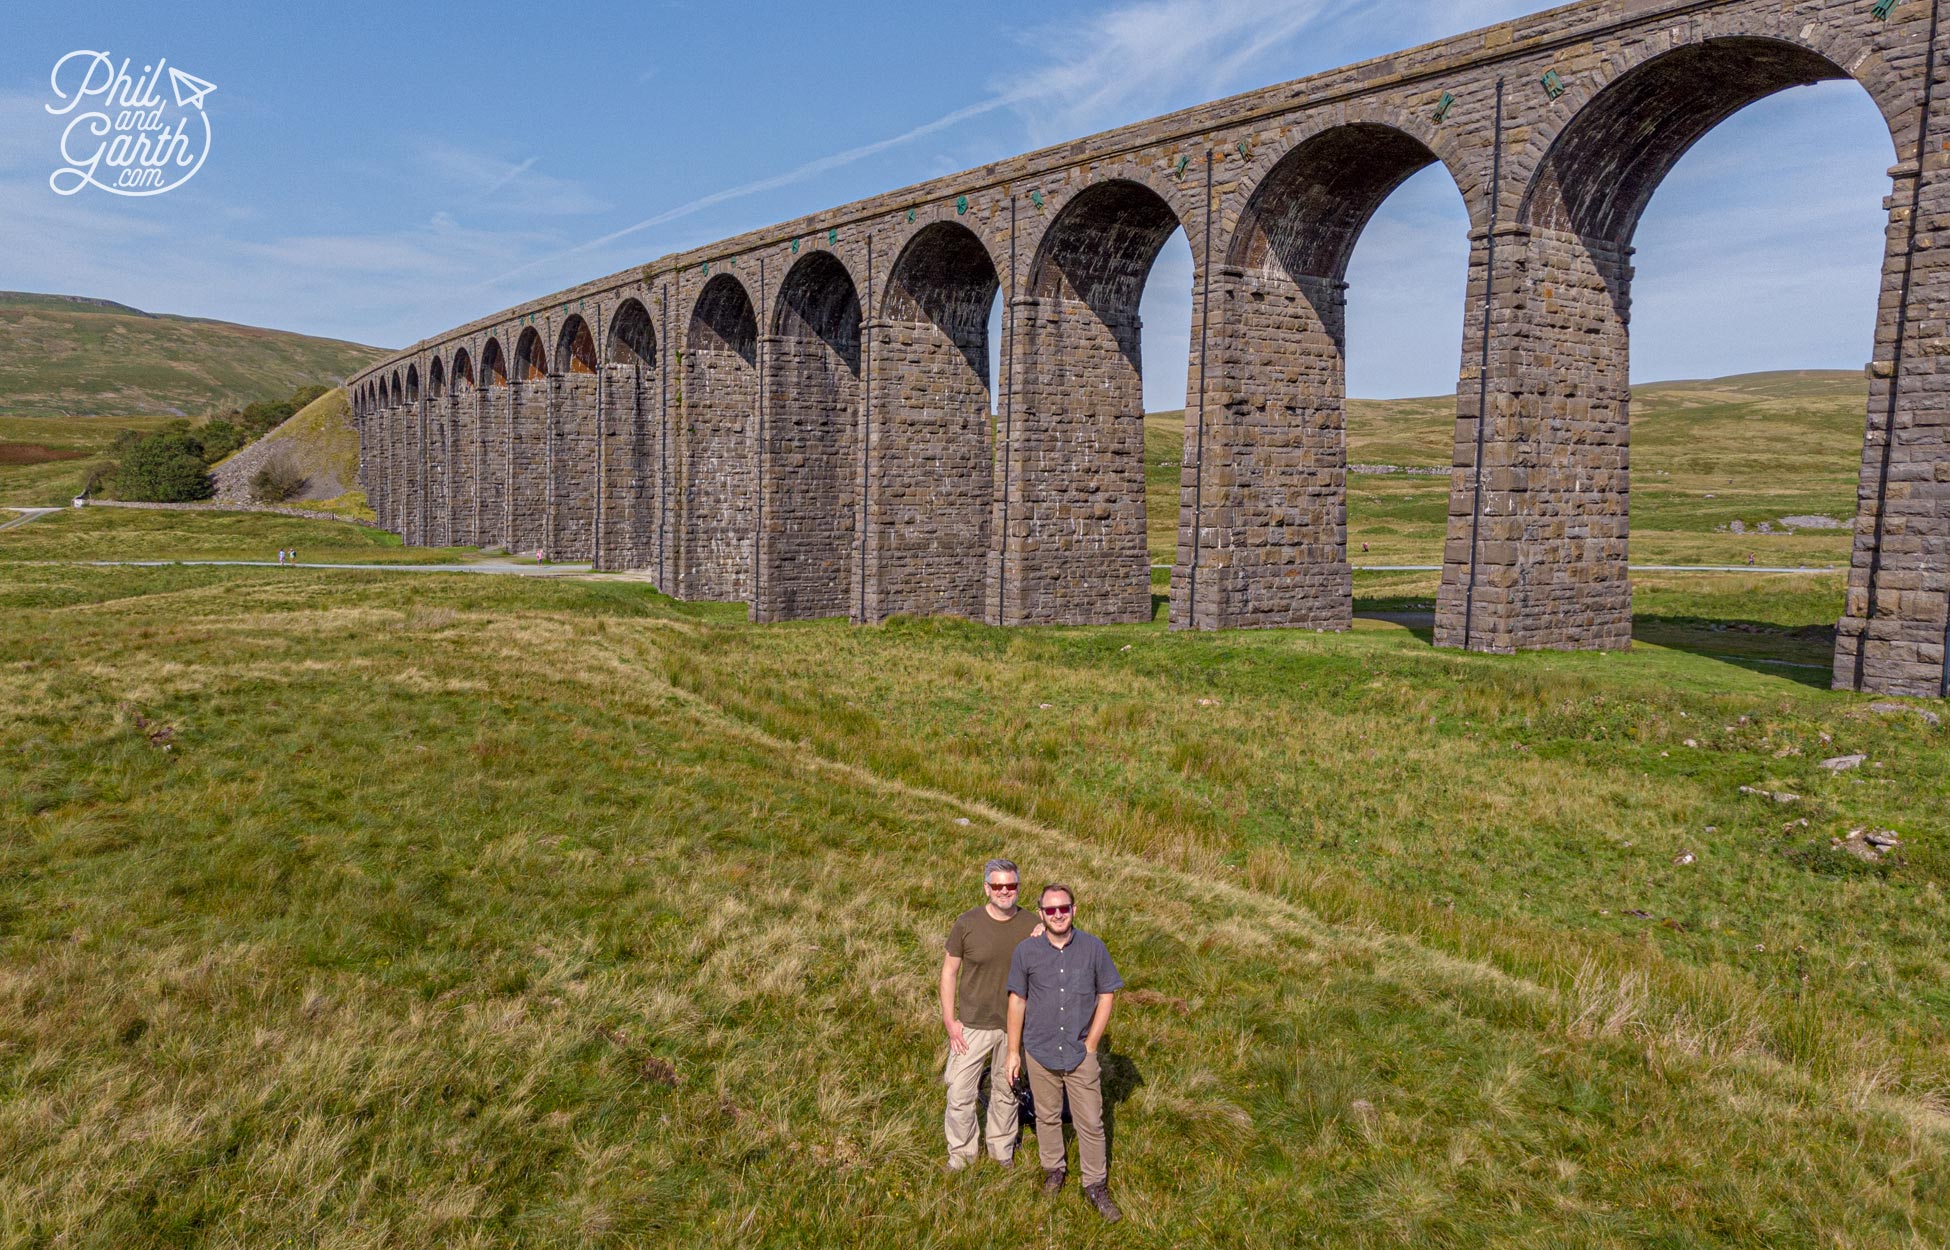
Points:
point(1132, 62)
point(489, 182)
point(1138, 60)
point(797, 174)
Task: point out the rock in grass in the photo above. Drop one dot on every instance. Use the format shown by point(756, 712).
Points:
point(1842, 763)
point(1779, 796)
point(1930, 718)
point(1868, 845)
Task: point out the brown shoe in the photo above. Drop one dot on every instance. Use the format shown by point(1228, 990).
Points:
point(1053, 1179)
point(1099, 1196)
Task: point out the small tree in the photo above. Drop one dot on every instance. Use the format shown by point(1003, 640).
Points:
point(265, 415)
point(277, 481)
point(219, 439)
point(165, 467)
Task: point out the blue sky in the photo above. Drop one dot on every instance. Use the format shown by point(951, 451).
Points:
point(382, 172)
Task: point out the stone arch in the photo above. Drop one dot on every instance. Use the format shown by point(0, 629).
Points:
point(1071, 515)
point(1178, 193)
point(399, 393)
point(724, 319)
point(903, 234)
point(1601, 168)
point(1731, 62)
point(944, 276)
point(1466, 162)
point(463, 371)
point(1099, 248)
point(531, 357)
point(718, 463)
point(1304, 216)
point(575, 347)
point(436, 379)
point(412, 383)
point(1539, 558)
point(931, 454)
point(818, 300)
point(1268, 501)
point(494, 364)
point(632, 338)
point(807, 467)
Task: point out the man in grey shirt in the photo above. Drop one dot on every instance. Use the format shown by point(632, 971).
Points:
point(1061, 986)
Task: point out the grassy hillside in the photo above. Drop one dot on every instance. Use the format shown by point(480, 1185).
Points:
point(480, 911)
point(1751, 448)
point(320, 442)
point(63, 356)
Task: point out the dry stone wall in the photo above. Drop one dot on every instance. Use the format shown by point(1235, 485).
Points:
point(884, 488)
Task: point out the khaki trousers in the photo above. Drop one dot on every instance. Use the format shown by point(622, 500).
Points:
point(964, 1079)
point(1084, 1084)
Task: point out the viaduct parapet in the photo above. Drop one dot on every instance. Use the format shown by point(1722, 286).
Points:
point(799, 417)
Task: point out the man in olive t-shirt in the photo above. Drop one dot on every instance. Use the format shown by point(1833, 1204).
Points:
point(975, 1013)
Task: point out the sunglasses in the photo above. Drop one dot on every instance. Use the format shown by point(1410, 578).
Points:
point(1002, 886)
point(1061, 909)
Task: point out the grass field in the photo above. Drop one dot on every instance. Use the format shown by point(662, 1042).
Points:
point(100, 533)
point(1753, 448)
point(346, 909)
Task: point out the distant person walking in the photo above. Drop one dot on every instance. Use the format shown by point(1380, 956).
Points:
point(1061, 987)
point(975, 1013)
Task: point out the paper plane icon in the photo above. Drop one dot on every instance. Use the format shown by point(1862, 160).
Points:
point(190, 89)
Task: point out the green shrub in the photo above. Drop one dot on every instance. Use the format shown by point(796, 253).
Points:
point(164, 467)
point(265, 415)
point(220, 438)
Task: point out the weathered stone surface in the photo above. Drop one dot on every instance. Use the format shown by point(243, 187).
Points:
point(843, 458)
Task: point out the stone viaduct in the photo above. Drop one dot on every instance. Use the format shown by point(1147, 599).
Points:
point(800, 417)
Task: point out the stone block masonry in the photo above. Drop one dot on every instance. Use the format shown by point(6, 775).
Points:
point(825, 439)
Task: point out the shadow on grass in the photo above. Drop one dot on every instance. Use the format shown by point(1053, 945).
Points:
point(1413, 612)
point(1799, 653)
point(1419, 622)
point(1802, 654)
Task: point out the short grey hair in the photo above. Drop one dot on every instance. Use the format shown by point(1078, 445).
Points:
point(1000, 865)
